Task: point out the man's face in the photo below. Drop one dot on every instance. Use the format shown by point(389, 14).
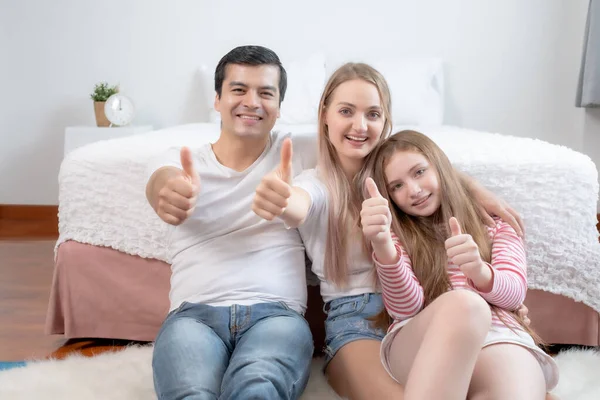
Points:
point(249, 102)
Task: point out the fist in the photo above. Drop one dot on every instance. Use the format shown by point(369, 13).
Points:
point(177, 198)
point(463, 252)
point(375, 216)
point(273, 192)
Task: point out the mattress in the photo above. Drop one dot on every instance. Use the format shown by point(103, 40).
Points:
point(555, 189)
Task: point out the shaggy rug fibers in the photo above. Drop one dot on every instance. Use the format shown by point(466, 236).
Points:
point(127, 375)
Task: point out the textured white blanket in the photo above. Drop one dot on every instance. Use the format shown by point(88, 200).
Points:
point(102, 200)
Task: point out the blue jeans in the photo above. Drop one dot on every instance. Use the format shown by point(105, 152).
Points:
point(262, 351)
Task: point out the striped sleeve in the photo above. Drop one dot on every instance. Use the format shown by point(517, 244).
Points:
point(402, 293)
point(509, 267)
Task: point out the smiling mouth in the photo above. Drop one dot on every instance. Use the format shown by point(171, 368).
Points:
point(421, 201)
point(360, 139)
point(250, 117)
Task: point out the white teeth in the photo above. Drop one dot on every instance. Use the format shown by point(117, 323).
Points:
point(249, 117)
point(358, 139)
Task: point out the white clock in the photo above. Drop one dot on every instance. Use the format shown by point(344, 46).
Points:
point(119, 110)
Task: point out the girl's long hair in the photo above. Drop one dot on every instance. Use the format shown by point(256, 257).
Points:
point(424, 237)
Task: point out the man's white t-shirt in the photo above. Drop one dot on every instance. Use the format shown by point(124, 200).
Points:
point(361, 270)
point(224, 253)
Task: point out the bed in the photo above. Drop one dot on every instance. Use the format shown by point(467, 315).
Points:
point(111, 277)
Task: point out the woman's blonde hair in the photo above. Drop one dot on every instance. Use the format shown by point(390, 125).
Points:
point(424, 237)
point(345, 196)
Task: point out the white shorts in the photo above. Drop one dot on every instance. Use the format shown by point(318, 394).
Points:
point(496, 335)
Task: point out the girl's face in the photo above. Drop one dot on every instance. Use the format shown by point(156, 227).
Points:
point(413, 183)
point(355, 121)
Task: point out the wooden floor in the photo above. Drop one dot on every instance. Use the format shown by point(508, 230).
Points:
point(26, 268)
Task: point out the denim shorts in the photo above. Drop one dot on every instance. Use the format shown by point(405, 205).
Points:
point(347, 321)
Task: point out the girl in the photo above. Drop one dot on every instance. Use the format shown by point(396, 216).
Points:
point(354, 116)
point(448, 343)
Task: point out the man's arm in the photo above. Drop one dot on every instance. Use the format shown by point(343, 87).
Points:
point(275, 196)
point(296, 211)
point(172, 192)
point(492, 205)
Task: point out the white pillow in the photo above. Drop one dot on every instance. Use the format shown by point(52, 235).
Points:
point(306, 79)
point(416, 86)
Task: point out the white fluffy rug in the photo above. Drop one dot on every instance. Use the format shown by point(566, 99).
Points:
point(127, 375)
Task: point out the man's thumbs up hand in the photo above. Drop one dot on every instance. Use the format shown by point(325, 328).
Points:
point(177, 198)
point(285, 167)
point(188, 166)
point(273, 192)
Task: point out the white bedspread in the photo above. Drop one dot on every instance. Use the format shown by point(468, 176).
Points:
point(555, 189)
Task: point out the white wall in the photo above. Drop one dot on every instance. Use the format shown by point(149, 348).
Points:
point(512, 65)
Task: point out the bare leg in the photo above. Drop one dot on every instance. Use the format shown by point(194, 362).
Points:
point(435, 353)
point(356, 373)
point(507, 371)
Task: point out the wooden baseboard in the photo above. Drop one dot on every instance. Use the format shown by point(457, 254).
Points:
point(28, 221)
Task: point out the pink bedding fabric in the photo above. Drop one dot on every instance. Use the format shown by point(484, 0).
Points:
point(99, 292)
point(561, 320)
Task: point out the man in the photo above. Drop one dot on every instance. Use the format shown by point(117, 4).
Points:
point(238, 291)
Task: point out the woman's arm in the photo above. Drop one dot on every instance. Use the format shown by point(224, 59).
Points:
point(492, 205)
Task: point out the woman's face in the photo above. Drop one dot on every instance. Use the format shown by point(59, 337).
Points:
point(355, 121)
point(413, 183)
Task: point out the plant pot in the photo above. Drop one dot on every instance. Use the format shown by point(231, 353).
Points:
point(101, 119)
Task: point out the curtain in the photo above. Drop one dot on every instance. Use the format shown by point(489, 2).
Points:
point(588, 90)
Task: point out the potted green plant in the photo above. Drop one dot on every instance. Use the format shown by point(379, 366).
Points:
point(102, 91)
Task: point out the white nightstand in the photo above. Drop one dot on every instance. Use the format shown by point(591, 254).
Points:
point(77, 136)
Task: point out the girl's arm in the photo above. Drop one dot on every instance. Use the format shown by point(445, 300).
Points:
point(509, 269)
point(402, 293)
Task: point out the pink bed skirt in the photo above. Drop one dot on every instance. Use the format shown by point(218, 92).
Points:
point(99, 292)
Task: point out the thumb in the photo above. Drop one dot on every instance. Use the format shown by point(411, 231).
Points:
point(286, 160)
point(188, 164)
point(372, 188)
point(455, 227)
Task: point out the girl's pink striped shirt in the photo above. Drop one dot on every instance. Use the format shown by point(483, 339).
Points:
point(403, 294)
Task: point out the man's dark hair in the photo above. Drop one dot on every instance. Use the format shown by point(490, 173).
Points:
point(250, 55)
